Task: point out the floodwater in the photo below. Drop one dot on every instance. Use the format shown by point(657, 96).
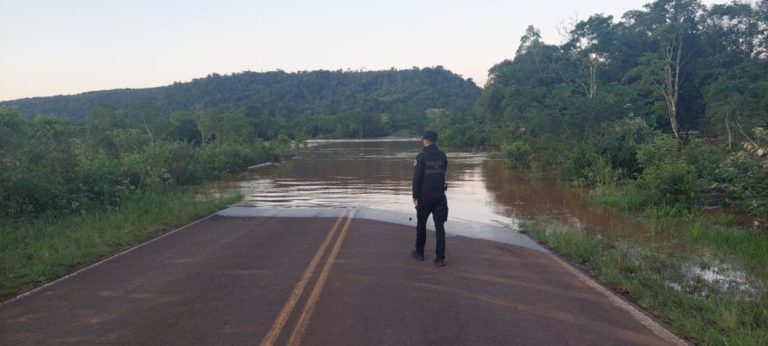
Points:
point(377, 174)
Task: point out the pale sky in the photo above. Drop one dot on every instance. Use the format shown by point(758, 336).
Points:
point(72, 46)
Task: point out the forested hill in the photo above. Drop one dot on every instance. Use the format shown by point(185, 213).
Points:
point(302, 103)
point(672, 97)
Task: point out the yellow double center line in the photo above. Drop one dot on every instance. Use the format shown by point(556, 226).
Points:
point(282, 318)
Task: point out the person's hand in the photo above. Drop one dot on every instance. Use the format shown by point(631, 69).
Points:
point(415, 203)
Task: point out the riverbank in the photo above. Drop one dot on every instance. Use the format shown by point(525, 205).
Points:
point(37, 250)
point(699, 277)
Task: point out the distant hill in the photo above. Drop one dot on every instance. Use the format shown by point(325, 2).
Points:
point(397, 93)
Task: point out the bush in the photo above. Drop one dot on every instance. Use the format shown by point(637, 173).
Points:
point(584, 167)
point(663, 148)
point(162, 163)
point(668, 178)
point(671, 182)
point(626, 196)
point(100, 181)
point(50, 165)
point(745, 175)
point(181, 163)
point(217, 160)
point(619, 143)
point(517, 155)
point(37, 165)
point(745, 179)
point(706, 159)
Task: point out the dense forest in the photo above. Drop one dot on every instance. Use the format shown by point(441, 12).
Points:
point(300, 105)
point(662, 112)
point(668, 104)
point(76, 153)
point(670, 100)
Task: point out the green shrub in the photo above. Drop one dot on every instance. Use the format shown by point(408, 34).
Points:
point(668, 211)
point(584, 167)
point(162, 163)
point(517, 154)
point(667, 177)
point(50, 165)
point(100, 181)
point(671, 182)
point(183, 164)
point(550, 149)
point(460, 131)
point(745, 180)
point(619, 143)
point(217, 160)
point(625, 196)
point(706, 158)
point(663, 148)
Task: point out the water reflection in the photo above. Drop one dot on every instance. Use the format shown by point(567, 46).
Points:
point(362, 174)
point(377, 174)
point(518, 194)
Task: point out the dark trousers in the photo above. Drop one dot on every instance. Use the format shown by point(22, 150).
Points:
point(439, 210)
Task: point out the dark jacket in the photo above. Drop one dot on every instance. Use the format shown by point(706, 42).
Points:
point(429, 174)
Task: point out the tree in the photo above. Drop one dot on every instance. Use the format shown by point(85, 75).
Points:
point(278, 102)
point(530, 41)
point(588, 45)
point(673, 30)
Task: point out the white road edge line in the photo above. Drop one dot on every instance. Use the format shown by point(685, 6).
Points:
point(633, 310)
point(654, 326)
point(37, 289)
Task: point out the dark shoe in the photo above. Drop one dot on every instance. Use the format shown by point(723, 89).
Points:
point(439, 262)
point(416, 255)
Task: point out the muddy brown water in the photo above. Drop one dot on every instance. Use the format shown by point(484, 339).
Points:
point(377, 174)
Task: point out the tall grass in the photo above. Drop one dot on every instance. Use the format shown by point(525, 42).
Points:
point(712, 317)
point(621, 196)
point(746, 247)
point(33, 251)
point(688, 225)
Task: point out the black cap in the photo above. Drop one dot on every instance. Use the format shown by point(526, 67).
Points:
point(430, 135)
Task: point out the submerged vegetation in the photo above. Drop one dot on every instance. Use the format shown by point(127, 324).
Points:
point(663, 114)
point(668, 104)
point(86, 175)
point(712, 304)
point(52, 165)
point(73, 192)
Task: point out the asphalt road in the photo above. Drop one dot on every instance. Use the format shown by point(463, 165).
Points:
point(324, 281)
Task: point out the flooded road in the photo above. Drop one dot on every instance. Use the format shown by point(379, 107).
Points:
point(377, 175)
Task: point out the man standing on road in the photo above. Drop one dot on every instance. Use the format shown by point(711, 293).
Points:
point(429, 196)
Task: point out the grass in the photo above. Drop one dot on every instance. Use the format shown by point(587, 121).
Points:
point(35, 251)
point(625, 197)
point(746, 247)
point(689, 226)
point(647, 274)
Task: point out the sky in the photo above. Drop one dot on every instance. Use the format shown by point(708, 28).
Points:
point(67, 47)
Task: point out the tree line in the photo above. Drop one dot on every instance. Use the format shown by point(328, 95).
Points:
point(307, 104)
point(669, 102)
point(75, 154)
point(60, 166)
point(672, 98)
